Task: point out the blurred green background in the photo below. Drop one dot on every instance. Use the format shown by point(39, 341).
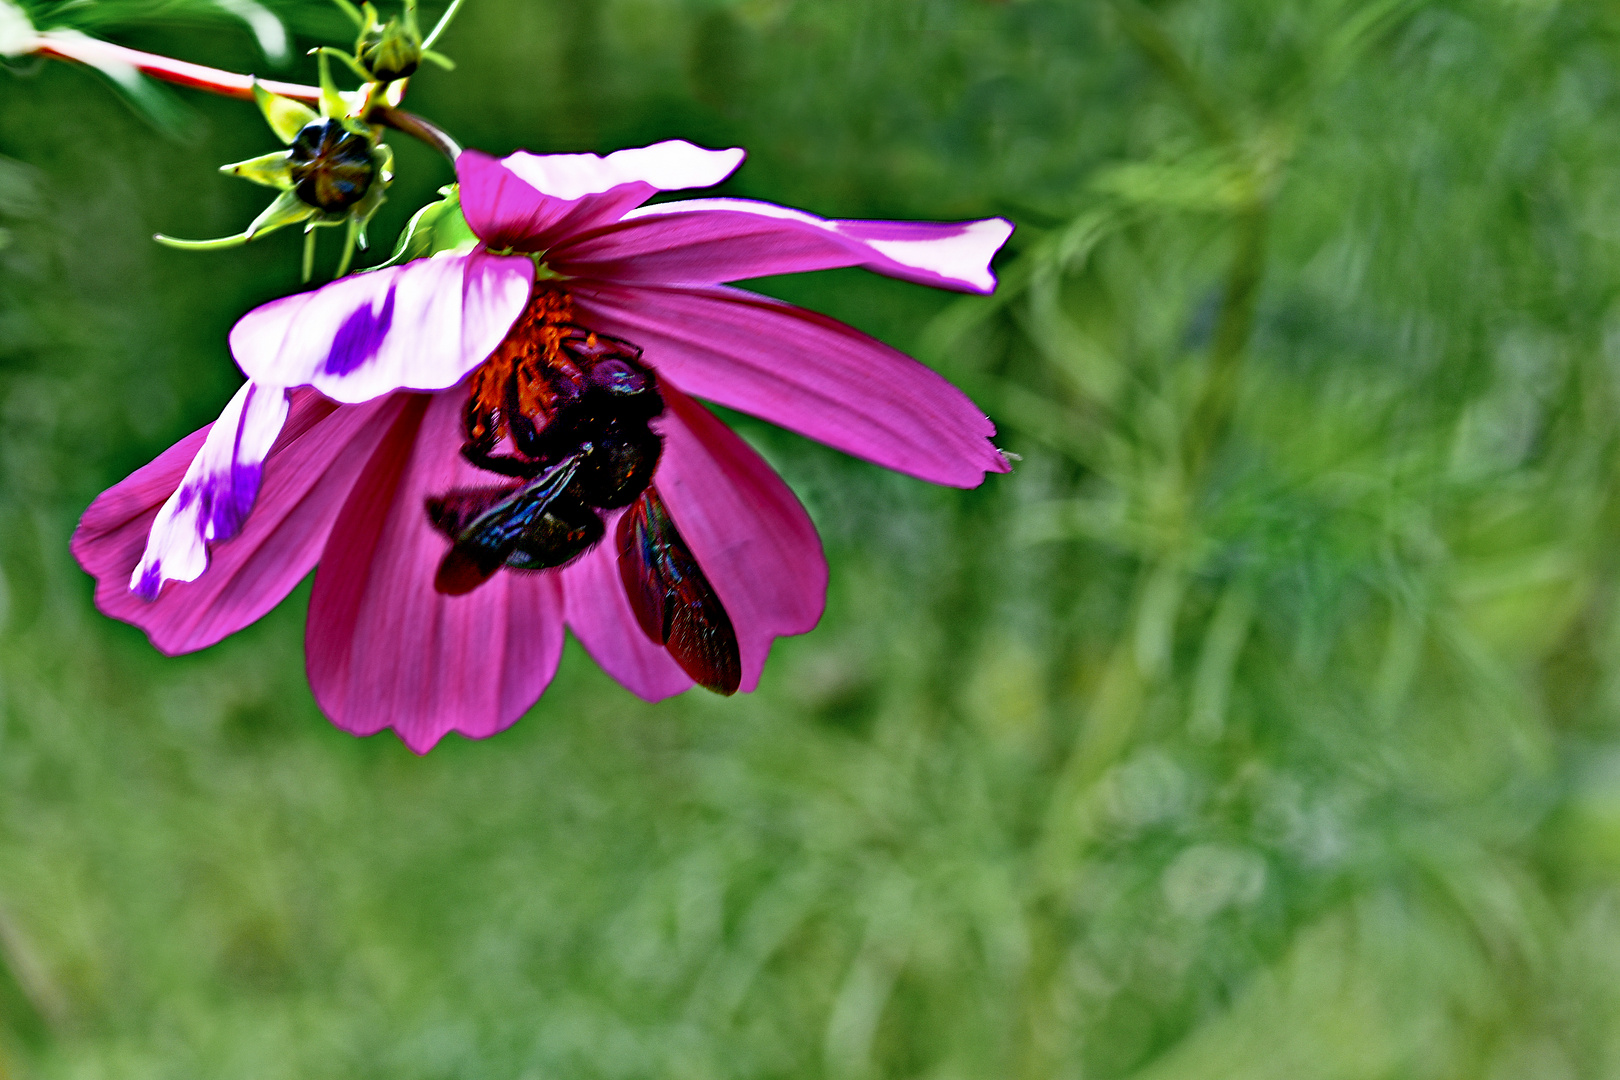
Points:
point(1265, 722)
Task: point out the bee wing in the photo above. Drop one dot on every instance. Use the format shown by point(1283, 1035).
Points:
point(487, 526)
point(674, 603)
point(453, 511)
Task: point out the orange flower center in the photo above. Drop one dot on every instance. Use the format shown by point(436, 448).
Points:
point(529, 360)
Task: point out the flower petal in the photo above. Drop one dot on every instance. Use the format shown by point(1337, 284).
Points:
point(421, 325)
point(217, 492)
point(753, 540)
point(807, 372)
point(707, 241)
point(307, 477)
point(383, 648)
point(600, 617)
point(528, 202)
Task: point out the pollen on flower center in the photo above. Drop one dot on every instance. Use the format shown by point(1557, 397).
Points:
point(526, 360)
point(573, 407)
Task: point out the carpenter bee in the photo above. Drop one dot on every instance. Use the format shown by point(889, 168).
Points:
point(577, 409)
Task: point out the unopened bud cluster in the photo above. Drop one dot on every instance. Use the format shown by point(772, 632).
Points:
point(336, 168)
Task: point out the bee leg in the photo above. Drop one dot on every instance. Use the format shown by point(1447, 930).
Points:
point(503, 464)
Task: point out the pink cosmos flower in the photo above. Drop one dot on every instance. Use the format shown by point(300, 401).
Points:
point(477, 449)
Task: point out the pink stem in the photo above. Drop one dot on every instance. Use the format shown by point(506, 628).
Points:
point(86, 50)
point(96, 53)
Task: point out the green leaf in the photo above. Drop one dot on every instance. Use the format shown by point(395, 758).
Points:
point(1210, 181)
point(438, 226)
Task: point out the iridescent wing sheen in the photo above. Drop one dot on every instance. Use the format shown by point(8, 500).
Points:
point(674, 603)
point(488, 526)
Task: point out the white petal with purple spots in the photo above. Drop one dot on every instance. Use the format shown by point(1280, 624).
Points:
point(216, 493)
point(421, 325)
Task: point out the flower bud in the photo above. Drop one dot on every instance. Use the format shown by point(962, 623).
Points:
point(332, 167)
point(390, 52)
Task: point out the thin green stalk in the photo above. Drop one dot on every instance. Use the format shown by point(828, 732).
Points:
point(442, 25)
point(1213, 410)
point(1144, 28)
point(348, 248)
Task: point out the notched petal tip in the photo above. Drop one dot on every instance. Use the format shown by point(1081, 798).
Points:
point(671, 165)
point(530, 202)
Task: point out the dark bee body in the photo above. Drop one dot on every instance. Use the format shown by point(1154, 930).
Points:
point(579, 427)
point(575, 408)
point(534, 526)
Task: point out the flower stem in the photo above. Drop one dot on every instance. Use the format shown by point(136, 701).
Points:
point(97, 54)
point(1213, 410)
point(104, 54)
point(348, 250)
point(414, 126)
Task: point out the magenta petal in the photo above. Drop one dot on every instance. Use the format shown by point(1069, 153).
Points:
point(307, 477)
point(600, 617)
point(706, 241)
point(804, 371)
point(753, 540)
point(528, 202)
point(383, 648)
point(418, 326)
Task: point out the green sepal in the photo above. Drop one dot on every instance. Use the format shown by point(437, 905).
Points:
point(285, 116)
point(218, 244)
point(369, 132)
point(361, 212)
point(385, 162)
point(438, 226)
point(350, 62)
point(439, 59)
point(271, 170)
point(332, 104)
point(288, 209)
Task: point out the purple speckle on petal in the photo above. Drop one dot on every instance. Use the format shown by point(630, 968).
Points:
point(150, 584)
point(226, 507)
point(360, 336)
